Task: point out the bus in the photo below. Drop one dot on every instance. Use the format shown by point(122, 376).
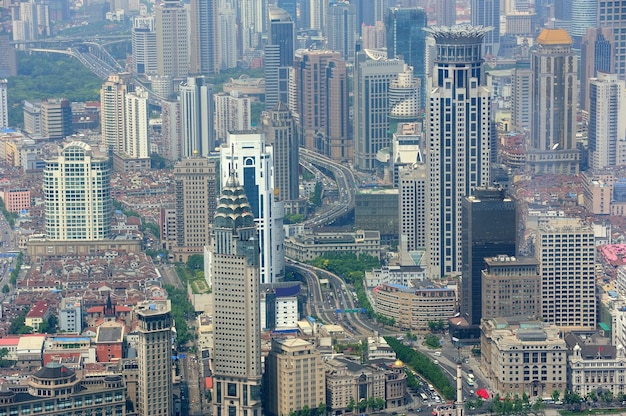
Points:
point(470, 379)
point(423, 396)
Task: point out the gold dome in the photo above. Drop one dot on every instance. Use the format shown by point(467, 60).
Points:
point(398, 364)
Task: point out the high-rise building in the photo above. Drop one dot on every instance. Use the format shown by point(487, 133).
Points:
point(30, 20)
point(321, 103)
point(227, 39)
point(412, 184)
point(279, 53)
point(554, 95)
point(342, 29)
point(196, 199)
point(154, 358)
point(236, 316)
point(565, 250)
point(596, 55)
point(406, 39)
point(170, 129)
point(232, 113)
point(295, 370)
point(584, 16)
point(32, 116)
point(489, 229)
point(511, 288)
point(291, 7)
point(446, 12)
point(280, 133)
point(77, 194)
point(251, 15)
point(70, 315)
point(136, 141)
point(607, 121)
point(172, 36)
point(486, 13)
point(252, 161)
point(373, 75)
point(196, 115)
point(8, 65)
point(203, 36)
point(610, 16)
point(373, 37)
point(112, 100)
point(144, 45)
point(521, 97)
point(404, 96)
point(4, 103)
point(458, 153)
point(56, 118)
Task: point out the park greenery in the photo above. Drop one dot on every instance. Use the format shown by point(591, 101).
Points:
point(9, 216)
point(182, 310)
point(423, 365)
point(16, 270)
point(49, 76)
point(431, 341)
point(316, 196)
point(307, 411)
point(191, 274)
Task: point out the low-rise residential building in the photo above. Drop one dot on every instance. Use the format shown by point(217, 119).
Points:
point(523, 357)
point(413, 307)
point(39, 313)
point(305, 247)
point(16, 200)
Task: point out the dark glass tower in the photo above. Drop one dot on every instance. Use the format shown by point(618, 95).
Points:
point(487, 13)
point(488, 229)
point(278, 57)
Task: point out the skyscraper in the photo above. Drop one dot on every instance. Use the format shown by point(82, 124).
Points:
point(227, 39)
point(136, 141)
point(404, 96)
point(154, 358)
point(489, 229)
point(77, 194)
point(251, 14)
point(607, 121)
point(56, 118)
point(196, 199)
point(486, 13)
point(584, 15)
point(196, 113)
point(203, 39)
point(373, 75)
point(446, 12)
point(172, 29)
point(232, 113)
point(278, 57)
point(554, 95)
point(112, 100)
point(252, 161)
point(596, 55)
point(4, 104)
point(144, 45)
point(236, 316)
point(8, 65)
point(342, 29)
point(280, 132)
point(565, 249)
point(170, 129)
point(321, 103)
point(458, 155)
point(412, 185)
point(610, 15)
point(521, 96)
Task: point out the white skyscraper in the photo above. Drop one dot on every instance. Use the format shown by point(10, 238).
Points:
point(458, 128)
point(251, 14)
point(112, 111)
point(144, 45)
point(227, 40)
point(196, 114)
point(252, 161)
point(136, 142)
point(232, 113)
point(172, 29)
point(4, 104)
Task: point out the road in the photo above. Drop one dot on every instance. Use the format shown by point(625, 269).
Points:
point(192, 385)
point(169, 276)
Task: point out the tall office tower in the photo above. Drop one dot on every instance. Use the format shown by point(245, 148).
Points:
point(342, 29)
point(172, 35)
point(154, 358)
point(321, 105)
point(486, 13)
point(30, 20)
point(136, 141)
point(8, 65)
point(521, 97)
point(227, 39)
point(373, 75)
point(56, 118)
point(373, 37)
point(32, 115)
point(252, 161)
point(77, 194)
point(112, 100)
point(317, 13)
point(511, 288)
point(144, 45)
point(412, 183)
point(236, 316)
point(279, 53)
point(406, 39)
point(565, 250)
point(295, 370)
point(232, 113)
point(489, 229)
point(446, 12)
point(607, 120)
point(610, 16)
point(458, 155)
point(196, 115)
point(251, 15)
point(291, 7)
point(4, 103)
point(404, 96)
point(596, 55)
point(170, 129)
point(279, 129)
point(196, 201)
point(203, 37)
point(554, 92)
point(584, 16)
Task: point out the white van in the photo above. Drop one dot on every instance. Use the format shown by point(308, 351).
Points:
point(437, 353)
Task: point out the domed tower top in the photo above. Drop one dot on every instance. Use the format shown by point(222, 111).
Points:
point(233, 209)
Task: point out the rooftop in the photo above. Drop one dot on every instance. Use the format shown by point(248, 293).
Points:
point(554, 37)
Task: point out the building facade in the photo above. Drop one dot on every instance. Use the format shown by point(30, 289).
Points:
point(412, 182)
point(596, 55)
point(196, 117)
point(112, 102)
point(136, 141)
point(232, 113)
point(279, 54)
point(342, 29)
point(172, 38)
point(144, 45)
point(56, 118)
point(486, 13)
point(203, 37)
point(4, 104)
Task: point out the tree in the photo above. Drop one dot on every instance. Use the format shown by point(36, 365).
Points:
point(316, 196)
point(195, 262)
point(556, 395)
point(380, 403)
point(306, 411)
point(607, 396)
point(321, 409)
point(351, 404)
point(6, 289)
point(431, 341)
point(592, 396)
